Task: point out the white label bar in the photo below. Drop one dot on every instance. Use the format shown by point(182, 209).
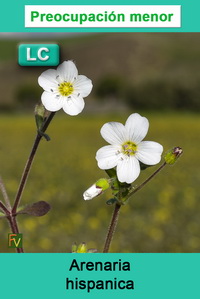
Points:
point(102, 16)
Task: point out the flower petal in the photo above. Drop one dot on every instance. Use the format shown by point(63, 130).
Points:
point(92, 192)
point(149, 152)
point(114, 133)
point(67, 71)
point(73, 105)
point(83, 85)
point(47, 80)
point(137, 127)
point(51, 102)
point(128, 169)
point(108, 156)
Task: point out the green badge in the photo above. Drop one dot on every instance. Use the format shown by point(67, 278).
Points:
point(15, 240)
point(38, 54)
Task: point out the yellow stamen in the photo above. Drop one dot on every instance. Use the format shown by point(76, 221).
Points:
point(129, 148)
point(65, 89)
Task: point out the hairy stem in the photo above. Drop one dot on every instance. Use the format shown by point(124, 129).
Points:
point(29, 163)
point(14, 227)
point(5, 195)
point(4, 209)
point(112, 227)
point(115, 215)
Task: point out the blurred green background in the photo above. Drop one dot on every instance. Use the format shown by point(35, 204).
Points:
point(156, 75)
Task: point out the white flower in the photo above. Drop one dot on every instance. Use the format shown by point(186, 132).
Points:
point(126, 148)
point(92, 192)
point(64, 88)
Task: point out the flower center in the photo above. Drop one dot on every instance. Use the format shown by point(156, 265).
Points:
point(129, 148)
point(65, 89)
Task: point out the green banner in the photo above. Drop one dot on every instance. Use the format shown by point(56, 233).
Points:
point(13, 16)
point(138, 276)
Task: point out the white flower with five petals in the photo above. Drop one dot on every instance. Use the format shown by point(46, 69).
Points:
point(126, 148)
point(64, 88)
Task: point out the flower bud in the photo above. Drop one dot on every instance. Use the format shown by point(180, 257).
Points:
point(39, 115)
point(172, 156)
point(40, 110)
point(96, 189)
point(74, 248)
point(82, 248)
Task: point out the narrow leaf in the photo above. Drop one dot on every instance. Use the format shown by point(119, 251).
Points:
point(39, 208)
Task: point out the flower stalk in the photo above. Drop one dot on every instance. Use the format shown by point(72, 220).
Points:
point(29, 162)
point(14, 227)
point(134, 190)
point(63, 88)
point(115, 216)
point(112, 227)
point(9, 211)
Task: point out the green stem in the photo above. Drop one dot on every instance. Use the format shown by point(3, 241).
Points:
point(115, 215)
point(112, 227)
point(29, 163)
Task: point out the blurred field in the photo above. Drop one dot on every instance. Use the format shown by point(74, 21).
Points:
point(140, 70)
point(163, 217)
point(154, 74)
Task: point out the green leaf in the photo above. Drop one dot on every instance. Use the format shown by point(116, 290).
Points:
point(2, 215)
point(111, 201)
point(39, 115)
point(44, 135)
point(39, 208)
